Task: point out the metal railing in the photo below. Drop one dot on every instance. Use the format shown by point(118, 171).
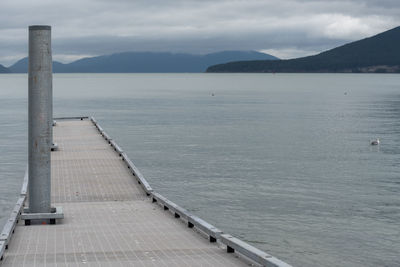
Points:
point(214, 234)
point(9, 227)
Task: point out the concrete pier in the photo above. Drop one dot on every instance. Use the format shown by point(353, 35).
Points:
point(113, 217)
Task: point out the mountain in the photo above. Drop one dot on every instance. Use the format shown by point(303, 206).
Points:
point(4, 69)
point(379, 54)
point(151, 62)
point(21, 66)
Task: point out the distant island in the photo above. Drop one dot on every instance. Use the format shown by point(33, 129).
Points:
point(377, 54)
point(145, 62)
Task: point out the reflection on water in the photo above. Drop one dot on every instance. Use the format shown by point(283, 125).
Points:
point(282, 161)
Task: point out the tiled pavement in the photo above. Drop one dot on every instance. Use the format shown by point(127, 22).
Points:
point(109, 220)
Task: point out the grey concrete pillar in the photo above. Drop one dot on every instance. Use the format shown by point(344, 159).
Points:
point(40, 118)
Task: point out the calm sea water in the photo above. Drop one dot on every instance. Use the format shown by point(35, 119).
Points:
point(282, 161)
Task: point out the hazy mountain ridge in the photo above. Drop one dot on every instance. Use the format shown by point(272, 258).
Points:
point(4, 69)
point(377, 54)
point(146, 62)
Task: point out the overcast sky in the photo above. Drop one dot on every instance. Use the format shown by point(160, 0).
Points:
point(283, 28)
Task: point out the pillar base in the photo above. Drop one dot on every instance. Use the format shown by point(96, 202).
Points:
point(54, 147)
point(56, 213)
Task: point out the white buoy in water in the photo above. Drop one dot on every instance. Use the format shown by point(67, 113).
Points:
point(375, 142)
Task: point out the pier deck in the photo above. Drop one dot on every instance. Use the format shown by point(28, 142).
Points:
point(109, 219)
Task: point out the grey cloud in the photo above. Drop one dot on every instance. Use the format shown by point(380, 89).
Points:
point(93, 27)
point(106, 44)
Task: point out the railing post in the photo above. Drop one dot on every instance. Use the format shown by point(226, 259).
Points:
point(40, 118)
